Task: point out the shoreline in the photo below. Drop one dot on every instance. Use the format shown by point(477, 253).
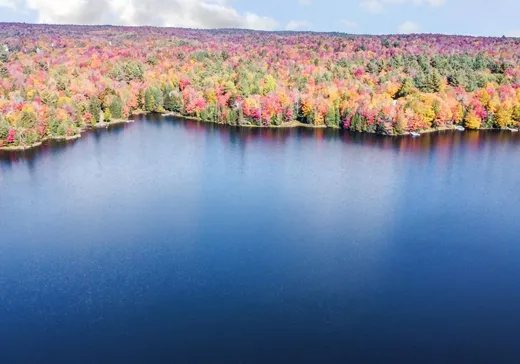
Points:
point(291, 124)
point(288, 125)
point(100, 125)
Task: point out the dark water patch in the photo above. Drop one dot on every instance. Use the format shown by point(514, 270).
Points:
point(176, 241)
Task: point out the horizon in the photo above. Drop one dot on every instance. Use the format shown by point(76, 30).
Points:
point(317, 32)
point(359, 17)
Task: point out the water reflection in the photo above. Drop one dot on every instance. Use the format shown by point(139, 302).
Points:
point(445, 142)
point(165, 236)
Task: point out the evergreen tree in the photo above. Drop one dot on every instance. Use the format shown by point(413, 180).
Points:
point(4, 56)
point(357, 123)
point(27, 119)
point(153, 99)
point(434, 81)
point(4, 128)
point(4, 73)
point(94, 108)
point(158, 99)
point(149, 101)
point(116, 108)
point(330, 117)
point(243, 87)
point(172, 101)
point(406, 88)
point(53, 126)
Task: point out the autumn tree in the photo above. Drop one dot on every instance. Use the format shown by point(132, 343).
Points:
point(269, 85)
point(107, 115)
point(472, 120)
point(504, 115)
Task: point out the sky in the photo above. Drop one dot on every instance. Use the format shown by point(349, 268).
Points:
point(471, 17)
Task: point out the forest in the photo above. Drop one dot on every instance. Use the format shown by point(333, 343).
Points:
point(56, 81)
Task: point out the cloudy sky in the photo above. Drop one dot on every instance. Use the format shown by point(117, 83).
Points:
point(474, 17)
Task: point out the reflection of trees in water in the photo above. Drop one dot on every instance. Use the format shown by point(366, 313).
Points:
point(443, 142)
point(116, 129)
point(8, 158)
point(438, 140)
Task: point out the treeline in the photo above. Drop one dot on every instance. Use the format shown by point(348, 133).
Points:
point(55, 81)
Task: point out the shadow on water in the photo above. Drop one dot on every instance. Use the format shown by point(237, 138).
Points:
point(446, 141)
point(145, 242)
point(56, 147)
point(427, 143)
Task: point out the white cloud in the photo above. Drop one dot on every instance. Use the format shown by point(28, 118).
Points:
point(297, 25)
point(181, 13)
point(431, 2)
point(7, 3)
point(349, 24)
point(305, 2)
point(373, 6)
point(377, 6)
point(409, 27)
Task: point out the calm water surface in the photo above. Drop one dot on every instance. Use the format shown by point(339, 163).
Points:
point(170, 241)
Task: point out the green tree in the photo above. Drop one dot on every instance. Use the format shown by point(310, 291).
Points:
point(435, 82)
point(243, 87)
point(62, 129)
point(4, 128)
point(149, 102)
point(457, 79)
point(4, 56)
point(172, 100)
point(269, 85)
point(27, 119)
point(159, 99)
point(62, 82)
point(231, 117)
point(116, 108)
point(330, 117)
point(134, 70)
point(152, 60)
point(153, 99)
point(4, 73)
point(432, 81)
point(32, 137)
point(48, 98)
point(117, 73)
point(406, 88)
point(357, 123)
point(94, 108)
point(53, 126)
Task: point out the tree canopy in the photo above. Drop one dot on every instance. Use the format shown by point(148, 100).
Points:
point(55, 80)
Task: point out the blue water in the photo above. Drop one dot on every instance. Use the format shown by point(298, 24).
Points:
point(177, 242)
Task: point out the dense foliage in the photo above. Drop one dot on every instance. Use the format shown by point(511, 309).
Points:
point(56, 80)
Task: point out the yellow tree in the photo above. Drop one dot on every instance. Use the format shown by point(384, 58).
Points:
point(424, 107)
point(472, 120)
point(485, 97)
point(493, 104)
point(504, 114)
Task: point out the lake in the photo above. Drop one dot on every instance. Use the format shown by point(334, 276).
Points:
point(175, 241)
